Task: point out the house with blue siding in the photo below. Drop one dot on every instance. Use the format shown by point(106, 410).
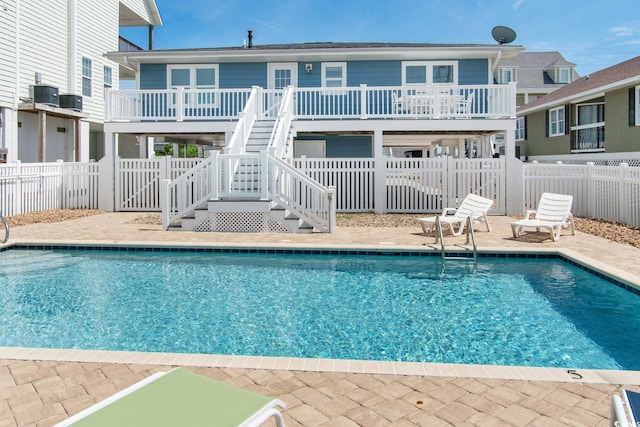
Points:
point(317, 100)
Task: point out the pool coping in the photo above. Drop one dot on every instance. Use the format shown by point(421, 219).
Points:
point(337, 365)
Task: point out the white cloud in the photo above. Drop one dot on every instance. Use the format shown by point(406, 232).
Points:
point(517, 4)
point(625, 30)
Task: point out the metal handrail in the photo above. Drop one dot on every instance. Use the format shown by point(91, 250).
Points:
point(440, 236)
point(6, 228)
point(472, 233)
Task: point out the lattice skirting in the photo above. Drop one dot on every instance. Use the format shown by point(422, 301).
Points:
point(240, 222)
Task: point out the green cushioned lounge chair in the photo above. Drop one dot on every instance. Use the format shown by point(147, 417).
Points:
point(180, 398)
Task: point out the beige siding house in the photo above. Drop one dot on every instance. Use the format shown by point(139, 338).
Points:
point(53, 74)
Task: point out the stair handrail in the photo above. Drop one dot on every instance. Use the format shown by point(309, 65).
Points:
point(278, 139)
point(301, 195)
point(193, 188)
point(246, 118)
point(5, 225)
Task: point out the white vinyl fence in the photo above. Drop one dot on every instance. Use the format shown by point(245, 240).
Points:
point(138, 181)
point(611, 193)
point(29, 187)
point(408, 185)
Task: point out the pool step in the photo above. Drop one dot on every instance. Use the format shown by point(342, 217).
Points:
point(243, 216)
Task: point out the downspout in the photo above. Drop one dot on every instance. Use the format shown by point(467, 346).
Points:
point(150, 37)
point(497, 61)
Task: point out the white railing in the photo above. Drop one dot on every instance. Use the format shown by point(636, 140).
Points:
point(301, 195)
point(29, 187)
point(246, 119)
point(279, 142)
point(611, 193)
point(175, 104)
point(182, 195)
point(587, 138)
point(256, 176)
point(357, 102)
point(429, 102)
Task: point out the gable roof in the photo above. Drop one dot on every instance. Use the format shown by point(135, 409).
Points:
point(532, 66)
point(593, 85)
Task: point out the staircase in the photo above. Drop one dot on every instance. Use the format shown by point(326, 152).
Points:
point(246, 213)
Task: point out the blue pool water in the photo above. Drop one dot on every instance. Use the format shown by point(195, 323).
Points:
point(531, 312)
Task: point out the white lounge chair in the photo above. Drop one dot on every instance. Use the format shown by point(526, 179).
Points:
point(180, 398)
point(552, 214)
point(473, 206)
point(625, 409)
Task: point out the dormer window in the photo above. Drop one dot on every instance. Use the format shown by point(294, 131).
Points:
point(561, 75)
point(507, 75)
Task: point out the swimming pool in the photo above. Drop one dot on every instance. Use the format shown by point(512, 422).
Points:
point(338, 304)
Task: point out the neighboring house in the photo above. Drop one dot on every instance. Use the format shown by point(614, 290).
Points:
point(598, 113)
point(53, 74)
point(536, 74)
point(350, 99)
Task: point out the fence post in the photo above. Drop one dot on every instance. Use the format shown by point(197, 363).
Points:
point(17, 197)
point(214, 174)
point(61, 183)
point(623, 207)
point(380, 203)
point(264, 174)
point(165, 202)
point(591, 200)
point(331, 193)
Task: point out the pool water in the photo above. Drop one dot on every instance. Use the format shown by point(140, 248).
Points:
point(506, 311)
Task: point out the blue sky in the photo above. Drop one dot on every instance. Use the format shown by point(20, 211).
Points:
point(592, 34)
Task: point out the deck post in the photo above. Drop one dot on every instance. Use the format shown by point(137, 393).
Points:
point(380, 175)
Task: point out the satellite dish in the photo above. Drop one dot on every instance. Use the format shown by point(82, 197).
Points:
point(503, 35)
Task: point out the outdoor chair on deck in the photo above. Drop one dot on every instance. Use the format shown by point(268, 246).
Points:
point(625, 409)
point(180, 398)
point(473, 207)
point(552, 214)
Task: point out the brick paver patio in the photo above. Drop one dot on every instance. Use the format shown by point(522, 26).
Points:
point(36, 392)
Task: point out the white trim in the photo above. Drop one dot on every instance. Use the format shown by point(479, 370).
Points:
point(429, 71)
point(342, 66)
point(272, 67)
point(586, 95)
point(89, 77)
point(520, 130)
point(192, 74)
point(637, 105)
point(560, 119)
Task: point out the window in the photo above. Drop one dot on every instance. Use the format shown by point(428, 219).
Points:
point(637, 107)
point(108, 76)
point(521, 129)
point(556, 121)
point(563, 75)
point(87, 76)
point(194, 77)
point(334, 74)
point(507, 75)
point(426, 73)
point(590, 114)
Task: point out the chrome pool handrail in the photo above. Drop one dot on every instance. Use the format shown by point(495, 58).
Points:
point(6, 228)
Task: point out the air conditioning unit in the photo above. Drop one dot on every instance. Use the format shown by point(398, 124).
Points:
point(43, 94)
point(71, 102)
